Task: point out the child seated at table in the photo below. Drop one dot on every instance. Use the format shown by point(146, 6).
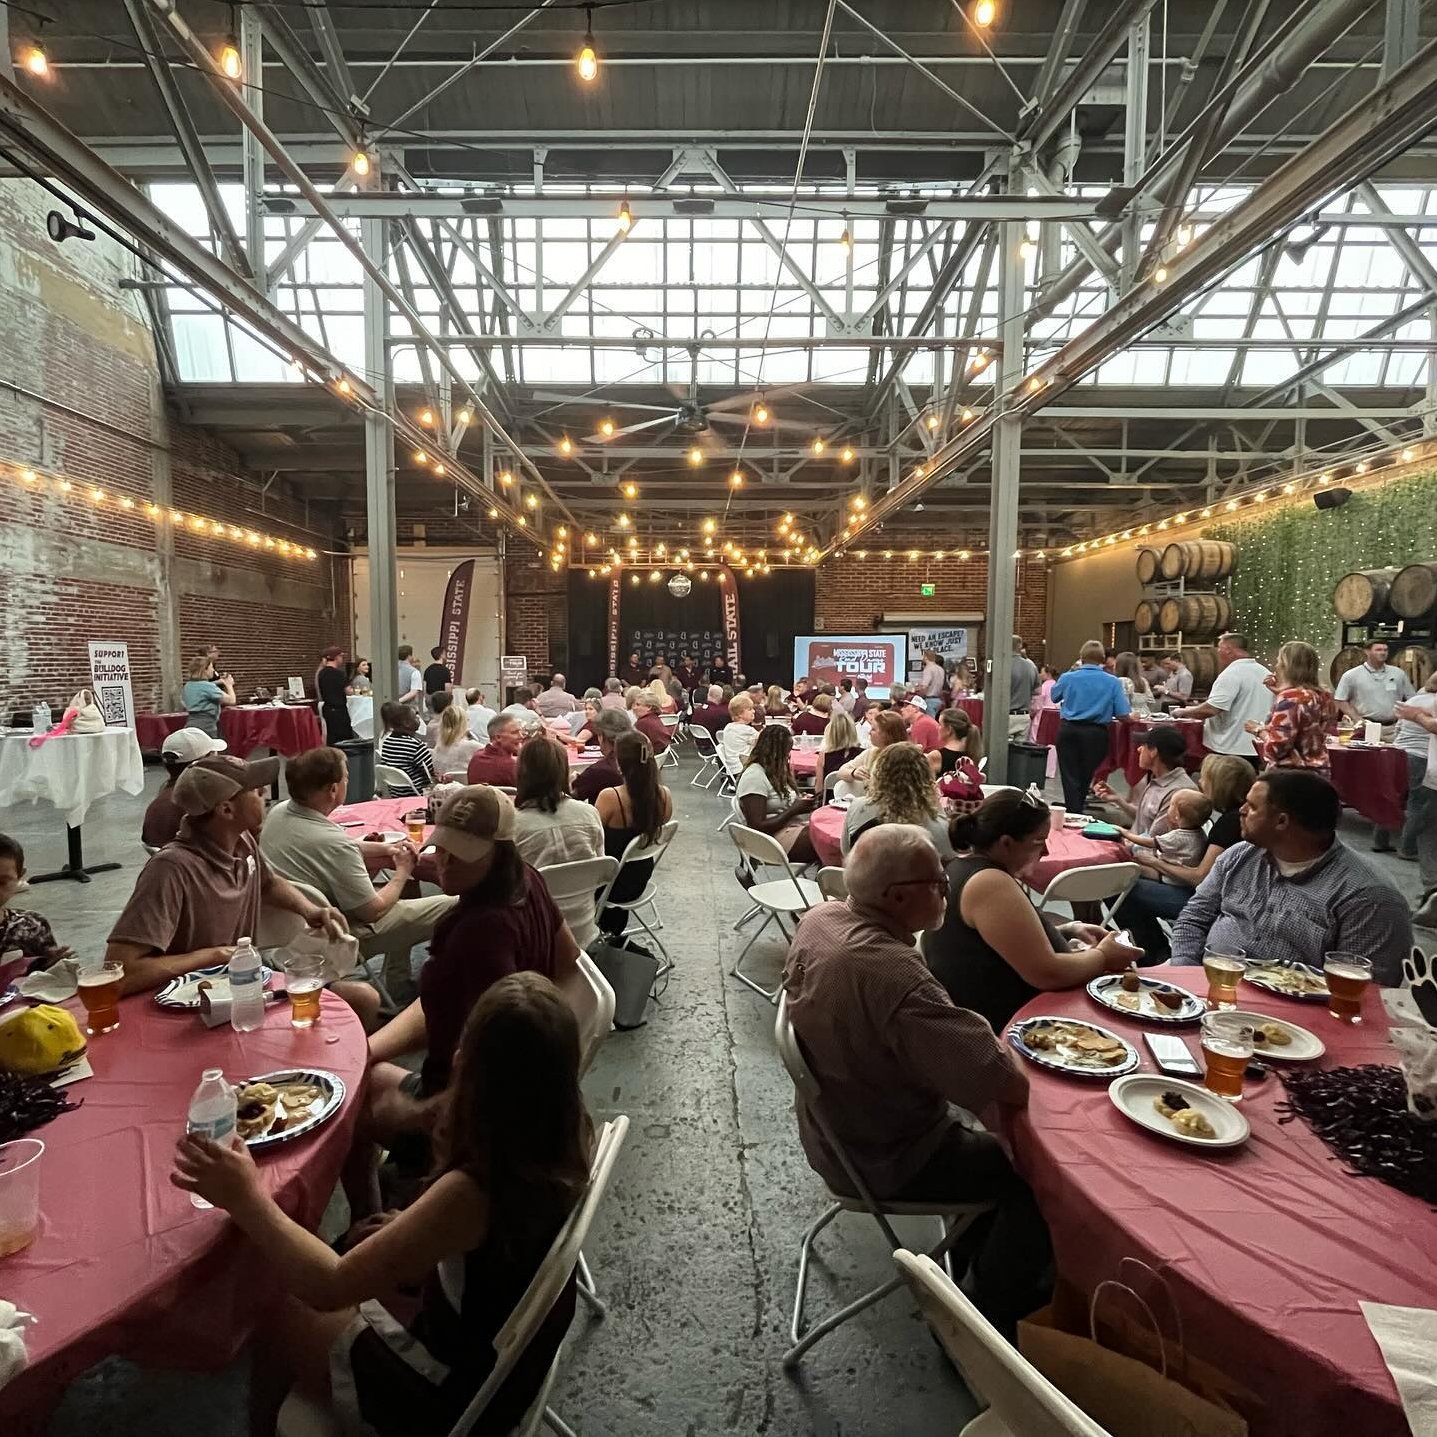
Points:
point(19, 928)
point(1180, 835)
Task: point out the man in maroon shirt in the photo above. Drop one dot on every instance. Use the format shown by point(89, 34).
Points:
point(592, 781)
point(712, 715)
point(498, 761)
point(648, 722)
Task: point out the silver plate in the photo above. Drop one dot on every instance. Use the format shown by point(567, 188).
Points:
point(1105, 988)
point(168, 997)
point(1256, 976)
point(1059, 1062)
point(331, 1087)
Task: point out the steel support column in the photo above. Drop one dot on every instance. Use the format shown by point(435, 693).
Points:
point(251, 45)
point(1135, 144)
point(1003, 515)
point(379, 478)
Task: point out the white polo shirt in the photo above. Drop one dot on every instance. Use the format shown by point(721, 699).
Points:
point(1241, 693)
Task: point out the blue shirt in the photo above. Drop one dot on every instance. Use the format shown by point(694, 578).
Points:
point(201, 698)
point(1090, 695)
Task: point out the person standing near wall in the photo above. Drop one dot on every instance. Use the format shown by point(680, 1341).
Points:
point(437, 678)
point(931, 683)
point(205, 695)
point(1022, 684)
point(330, 685)
point(1090, 699)
point(410, 683)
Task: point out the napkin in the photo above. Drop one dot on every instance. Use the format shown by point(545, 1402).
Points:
point(13, 1323)
point(53, 984)
point(341, 955)
point(1407, 1337)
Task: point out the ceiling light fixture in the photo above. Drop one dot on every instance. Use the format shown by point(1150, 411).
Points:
point(984, 13)
point(760, 413)
point(566, 445)
point(360, 163)
point(629, 490)
point(847, 456)
point(626, 217)
point(587, 60)
point(818, 446)
point(735, 480)
point(230, 61)
point(606, 428)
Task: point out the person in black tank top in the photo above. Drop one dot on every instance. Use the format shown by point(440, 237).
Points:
point(961, 739)
point(637, 808)
point(995, 951)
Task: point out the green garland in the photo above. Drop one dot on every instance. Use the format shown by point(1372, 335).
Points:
point(1289, 559)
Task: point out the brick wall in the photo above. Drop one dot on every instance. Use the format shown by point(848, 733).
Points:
point(851, 594)
point(80, 399)
point(536, 609)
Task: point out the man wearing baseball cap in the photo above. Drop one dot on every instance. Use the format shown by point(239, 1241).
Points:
point(1161, 750)
point(182, 748)
point(198, 896)
point(923, 729)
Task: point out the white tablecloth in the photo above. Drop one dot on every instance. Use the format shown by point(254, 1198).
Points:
point(361, 714)
point(71, 771)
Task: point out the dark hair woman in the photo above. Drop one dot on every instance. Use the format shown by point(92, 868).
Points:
point(402, 748)
point(961, 740)
point(513, 1144)
point(995, 951)
point(768, 796)
point(638, 808)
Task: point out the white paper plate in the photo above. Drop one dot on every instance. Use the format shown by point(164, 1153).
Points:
point(331, 1095)
point(184, 992)
point(1107, 987)
point(1134, 1095)
point(1305, 1046)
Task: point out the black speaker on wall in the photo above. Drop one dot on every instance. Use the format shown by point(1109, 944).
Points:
point(1331, 498)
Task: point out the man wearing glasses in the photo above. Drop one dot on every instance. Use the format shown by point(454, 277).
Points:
point(895, 1059)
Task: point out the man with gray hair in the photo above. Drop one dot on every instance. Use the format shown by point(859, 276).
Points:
point(713, 714)
point(613, 694)
point(609, 726)
point(894, 1059)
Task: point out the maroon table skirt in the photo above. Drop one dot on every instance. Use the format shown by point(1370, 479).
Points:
point(289, 730)
point(1371, 780)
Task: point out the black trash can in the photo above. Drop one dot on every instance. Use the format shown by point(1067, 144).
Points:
point(1027, 763)
point(360, 754)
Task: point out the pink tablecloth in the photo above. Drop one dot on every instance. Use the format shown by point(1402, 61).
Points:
point(290, 730)
point(1267, 1248)
point(1371, 780)
point(124, 1264)
point(381, 815)
point(825, 828)
point(804, 762)
point(1067, 848)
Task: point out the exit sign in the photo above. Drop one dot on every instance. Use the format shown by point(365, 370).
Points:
point(928, 590)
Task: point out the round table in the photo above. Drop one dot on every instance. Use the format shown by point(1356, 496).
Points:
point(1067, 848)
point(289, 729)
point(1372, 779)
point(124, 1264)
point(972, 705)
point(825, 828)
point(804, 762)
point(1267, 1248)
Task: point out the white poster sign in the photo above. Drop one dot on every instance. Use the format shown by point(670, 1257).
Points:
point(949, 642)
point(110, 678)
point(514, 671)
point(296, 686)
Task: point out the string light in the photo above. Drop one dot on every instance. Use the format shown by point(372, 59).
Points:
point(1360, 467)
point(818, 446)
point(966, 417)
point(438, 470)
point(532, 501)
point(420, 457)
point(696, 456)
point(506, 478)
point(230, 61)
point(37, 62)
point(622, 522)
point(847, 456)
point(360, 163)
point(344, 385)
point(1183, 235)
point(760, 413)
point(1160, 275)
point(1408, 455)
point(606, 427)
point(586, 62)
point(629, 490)
point(735, 480)
point(626, 218)
point(984, 13)
point(466, 416)
point(1028, 248)
point(845, 241)
point(566, 445)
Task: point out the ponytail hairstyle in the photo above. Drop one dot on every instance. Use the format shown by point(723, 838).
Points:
point(1007, 814)
point(635, 756)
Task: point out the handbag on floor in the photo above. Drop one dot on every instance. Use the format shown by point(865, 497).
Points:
point(629, 970)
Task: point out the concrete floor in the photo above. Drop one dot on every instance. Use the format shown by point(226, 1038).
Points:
point(695, 1248)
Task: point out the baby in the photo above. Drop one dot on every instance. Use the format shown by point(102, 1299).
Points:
point(19, 928)
point(1178, 836)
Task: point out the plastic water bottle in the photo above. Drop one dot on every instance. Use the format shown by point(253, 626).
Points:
point(212, 1114)
point(246, 988)
point(40, 717)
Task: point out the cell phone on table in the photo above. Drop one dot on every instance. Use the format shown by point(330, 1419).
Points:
point(1172, 1055)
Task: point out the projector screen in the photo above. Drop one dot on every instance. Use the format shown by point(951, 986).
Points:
point(827, 658)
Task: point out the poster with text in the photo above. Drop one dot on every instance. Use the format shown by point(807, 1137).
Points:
point(951, 642)
point(110, 678)
point(828, 658)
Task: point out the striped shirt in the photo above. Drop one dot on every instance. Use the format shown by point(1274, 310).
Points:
point(1341, 904)
point(409, 752)
point(890, 1050)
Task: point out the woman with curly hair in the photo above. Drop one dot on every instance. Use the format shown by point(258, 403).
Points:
point(768, 795)
point(900, 790)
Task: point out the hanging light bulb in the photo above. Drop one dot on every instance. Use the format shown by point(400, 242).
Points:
point(420, 457)
point(1184, 236)
point(506, 478)
point(696, 456)
point(438, 469)
point(710, 526)
point(622, 521)
point(934, 421)
point(1408, 455)
point(626, 217)
point(818, 446)
point(532, 500)
point(37, 62)
point(426, 417)
point(847, 456)
point(984, 13)
point(566, 445)
point(230, 61)
point(587, 60)
point(1361, 466)
point(760, 413)
point(360, 163)
point(1028, 248)
point(1160, 275)
point(966, 417)
point(466, 415)
point(606, 428)
point(845, 240)
point(630, 490)
point(735, 480)
point(980, 360)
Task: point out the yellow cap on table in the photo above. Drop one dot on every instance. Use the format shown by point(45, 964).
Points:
point(42, 1039)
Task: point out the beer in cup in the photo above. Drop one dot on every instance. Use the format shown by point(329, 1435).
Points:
point(99, 987)
point(1226, 1051)
point(1224, 972)
point(1348, 976)
point(304, 982)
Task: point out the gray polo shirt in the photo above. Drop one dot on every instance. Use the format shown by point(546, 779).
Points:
point(1375, 693)
point(1153, 794)
point(1022, 680)
point(304, 845)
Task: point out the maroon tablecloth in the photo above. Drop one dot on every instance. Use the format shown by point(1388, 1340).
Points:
point(1047, 729)
point(825, 828)
point(973, 707)
point(151, 730)
point(124, 1264)
point(1267, 1248)
point(1371, 780)
point(1067, 848)
point(289, 730)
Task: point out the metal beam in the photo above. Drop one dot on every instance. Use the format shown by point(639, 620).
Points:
point(333, 106)
point(1058, 49)
point(333, 52)
point(251, 156)
point(1413, 255)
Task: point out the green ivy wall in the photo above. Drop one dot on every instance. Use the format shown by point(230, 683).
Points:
point(1290, 558)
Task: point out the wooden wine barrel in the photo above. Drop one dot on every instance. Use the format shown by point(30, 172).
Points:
point(1195, 614)
point(1145, 616)
point(1413, 592)
point(1362, 597)
point(1148, 564)
point(1202, 559)
point(1169, 616)
point(1345, 659)
point(1201, 661)
point(1416, 662)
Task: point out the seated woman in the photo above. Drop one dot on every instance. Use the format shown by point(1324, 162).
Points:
point(900, 790)
point(995, 951)
point(814, 719)
point(512, 1161)
point(961, 748)
point(774, 703)
point(402, 747)
point(636, 808)
point(582, 732)
point(768, 795)
point(455, 747)
point(884, 727)
point(739, 735)
point(1165, 887)
point(840, 746)
point(663, 700)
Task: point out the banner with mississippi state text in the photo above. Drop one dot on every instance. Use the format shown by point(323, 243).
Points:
point(730, 617)
point(454, 619)
point(881, 659)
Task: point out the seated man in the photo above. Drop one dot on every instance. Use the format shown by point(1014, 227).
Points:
point(438, 702)
point(893, 1056)
point(1161, 751)
point(498, 761)
point(524, 711)
point(1294, 890)
point(504, 922)
point(556, 701)
point(198, 896)
point(613, 695)
point(713, 714)
point(648, 721)
point(162, 819)
point(590, 782)
point(923, 728)
point(299, 841)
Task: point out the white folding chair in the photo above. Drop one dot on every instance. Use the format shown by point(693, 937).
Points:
point(302, 1417)
point(710, 765)
point(832, 883)
point(954, 1217)
point(849, 787)
point(640, 851)
point(394, 782)
point(830, 785)
point(732, 768)
point(575, 886)
point(782, 900)
point(1021, 1401)
point(991, 788)
point(1098, 884)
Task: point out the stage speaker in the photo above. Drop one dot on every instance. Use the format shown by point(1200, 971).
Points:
point(1331, 498)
